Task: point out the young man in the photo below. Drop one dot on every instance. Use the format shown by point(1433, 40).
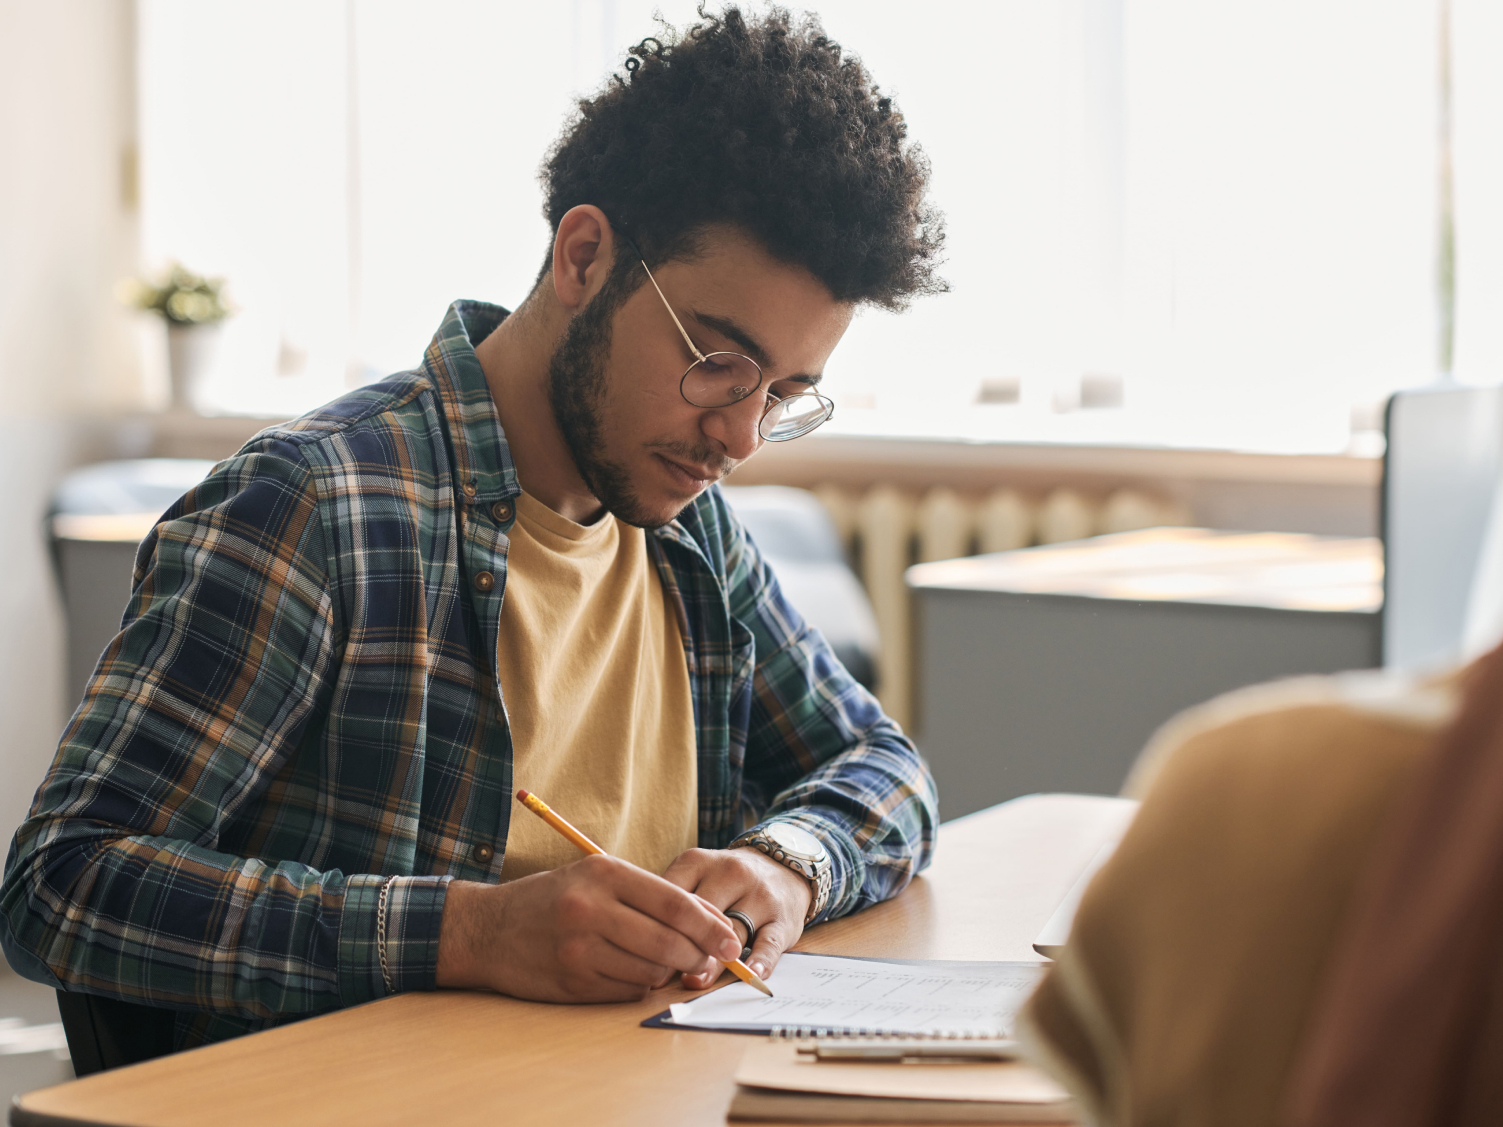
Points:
point(289, 786)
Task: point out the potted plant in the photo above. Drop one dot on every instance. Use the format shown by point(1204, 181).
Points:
point(193, 307)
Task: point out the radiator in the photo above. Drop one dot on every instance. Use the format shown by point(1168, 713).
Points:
point(887, 529)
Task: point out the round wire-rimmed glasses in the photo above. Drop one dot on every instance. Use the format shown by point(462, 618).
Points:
point(722, 379)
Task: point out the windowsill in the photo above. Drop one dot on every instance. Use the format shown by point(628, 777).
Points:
point(1258, 430)
point(849, 447)
point(187, 434)
point(980, 443)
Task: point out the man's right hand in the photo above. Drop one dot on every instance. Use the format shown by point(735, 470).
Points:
point(598, 930)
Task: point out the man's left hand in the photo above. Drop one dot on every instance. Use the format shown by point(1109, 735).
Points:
point(772, 895)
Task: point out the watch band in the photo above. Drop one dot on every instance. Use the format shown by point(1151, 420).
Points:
point(817, 871)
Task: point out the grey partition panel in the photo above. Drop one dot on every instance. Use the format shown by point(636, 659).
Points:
point(96, 576)
point(1022, 692)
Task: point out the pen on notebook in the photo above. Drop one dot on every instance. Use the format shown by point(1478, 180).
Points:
point(900, 1050)
point(545, 812)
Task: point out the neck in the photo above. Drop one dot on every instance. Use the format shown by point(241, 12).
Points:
point(515, 361)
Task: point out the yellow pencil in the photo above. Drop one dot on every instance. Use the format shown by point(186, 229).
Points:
point(545, 812)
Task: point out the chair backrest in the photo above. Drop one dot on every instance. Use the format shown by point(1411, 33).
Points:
point(1440, 474)
point(797, 537)
point(140, 485)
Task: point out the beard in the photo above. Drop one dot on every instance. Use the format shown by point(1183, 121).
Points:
point(577, 391)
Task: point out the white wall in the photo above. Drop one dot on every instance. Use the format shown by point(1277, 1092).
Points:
point(67, 350)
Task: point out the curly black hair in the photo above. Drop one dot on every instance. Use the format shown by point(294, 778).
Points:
point(767, 125)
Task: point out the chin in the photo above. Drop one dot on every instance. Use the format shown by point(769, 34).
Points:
point(650, 515)
point(646, 496)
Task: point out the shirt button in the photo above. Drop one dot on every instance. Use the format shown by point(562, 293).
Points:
point(484, 581)
point(482, 853)
point(469, 489)
point(501, 510)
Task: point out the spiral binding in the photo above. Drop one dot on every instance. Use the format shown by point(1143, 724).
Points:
point(802, 1032)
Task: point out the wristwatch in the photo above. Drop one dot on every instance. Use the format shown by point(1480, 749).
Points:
point(801, 851)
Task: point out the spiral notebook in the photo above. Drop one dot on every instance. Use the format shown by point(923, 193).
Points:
point(836, 995)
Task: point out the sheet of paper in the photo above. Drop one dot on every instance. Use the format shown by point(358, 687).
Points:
point(827, 992)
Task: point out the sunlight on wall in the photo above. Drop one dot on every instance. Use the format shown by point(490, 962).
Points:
point(66, 236)
point(1227, 213)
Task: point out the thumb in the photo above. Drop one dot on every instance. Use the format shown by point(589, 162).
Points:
point(773, 939)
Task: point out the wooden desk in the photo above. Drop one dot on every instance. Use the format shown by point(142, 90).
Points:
point(460, 1058)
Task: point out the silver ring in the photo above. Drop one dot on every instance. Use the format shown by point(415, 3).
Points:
point(751, 929)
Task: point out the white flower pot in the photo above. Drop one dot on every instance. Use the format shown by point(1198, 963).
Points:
point(190, 353)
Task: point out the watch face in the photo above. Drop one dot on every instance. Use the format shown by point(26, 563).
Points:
point(795, 841)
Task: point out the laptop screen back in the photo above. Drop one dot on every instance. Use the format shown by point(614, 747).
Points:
point(1445, 453)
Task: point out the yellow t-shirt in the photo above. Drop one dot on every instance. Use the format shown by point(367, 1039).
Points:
point(592, 669)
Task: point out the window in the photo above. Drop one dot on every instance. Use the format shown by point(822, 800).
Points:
point(1223, 216)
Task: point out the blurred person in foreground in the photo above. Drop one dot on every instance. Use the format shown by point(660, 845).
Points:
point(1304, 925)
point(288, 787)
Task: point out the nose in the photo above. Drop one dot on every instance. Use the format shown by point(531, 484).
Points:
point(733, 429)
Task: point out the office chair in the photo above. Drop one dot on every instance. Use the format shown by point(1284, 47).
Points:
point(105, 1033)
point(797, 537)
point(1440, 474)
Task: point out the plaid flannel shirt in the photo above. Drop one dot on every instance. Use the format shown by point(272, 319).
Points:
point(303, 701)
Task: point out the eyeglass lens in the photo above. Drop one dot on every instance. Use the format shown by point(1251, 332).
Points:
point(794, 416)
point(724, 378)
point(720, 379)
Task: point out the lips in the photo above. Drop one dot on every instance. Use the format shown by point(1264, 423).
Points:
point(693, 478)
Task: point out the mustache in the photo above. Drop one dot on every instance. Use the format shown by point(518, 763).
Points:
point(701, 456)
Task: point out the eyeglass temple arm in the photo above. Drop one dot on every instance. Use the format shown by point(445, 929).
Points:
point(677, 323)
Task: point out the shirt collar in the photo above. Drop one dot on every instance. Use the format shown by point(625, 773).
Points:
point(482, 460)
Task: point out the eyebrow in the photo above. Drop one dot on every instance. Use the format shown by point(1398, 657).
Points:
point(732, 331)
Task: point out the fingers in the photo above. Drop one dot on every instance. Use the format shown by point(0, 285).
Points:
point(672, 913)
point(621, 931)
point(718, 876)
point(774, 897)
point(602, 929)
point(600, 957)
point(703, 981)
point(599, 971)
point(657, 944)
point(689, 867)
point(772, 940)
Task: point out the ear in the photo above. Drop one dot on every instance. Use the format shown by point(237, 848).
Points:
point(583, 250)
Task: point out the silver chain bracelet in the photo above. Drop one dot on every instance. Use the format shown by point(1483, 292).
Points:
point(381, 932)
